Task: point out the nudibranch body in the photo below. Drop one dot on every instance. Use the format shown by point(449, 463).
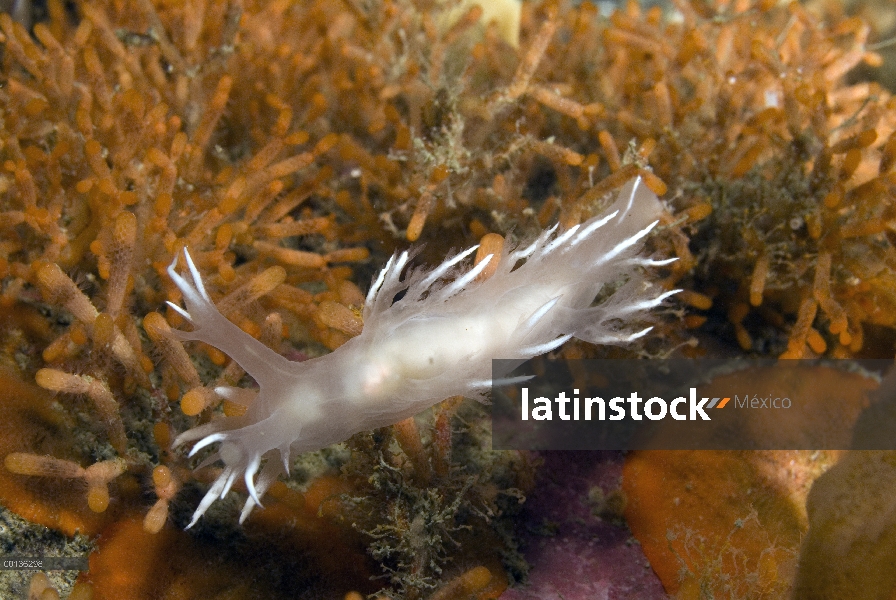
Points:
point(434, 342)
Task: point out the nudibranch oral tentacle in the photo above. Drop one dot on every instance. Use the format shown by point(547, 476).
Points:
point(436, 341)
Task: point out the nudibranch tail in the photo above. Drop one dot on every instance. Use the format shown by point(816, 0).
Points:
point(435, 341)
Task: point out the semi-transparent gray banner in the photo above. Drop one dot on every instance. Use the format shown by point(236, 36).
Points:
point(44, 563)
point(700, 404)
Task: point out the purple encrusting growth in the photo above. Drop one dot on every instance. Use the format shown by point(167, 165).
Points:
point(435, 342)
point(575, 554)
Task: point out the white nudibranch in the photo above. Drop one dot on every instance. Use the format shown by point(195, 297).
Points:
point(435, 342)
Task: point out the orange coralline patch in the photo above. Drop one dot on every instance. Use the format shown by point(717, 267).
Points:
point(324, 493)
point(732, 521)
point(174, 564)
point(711, 520)
point(170, 563)
point(311, 523)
